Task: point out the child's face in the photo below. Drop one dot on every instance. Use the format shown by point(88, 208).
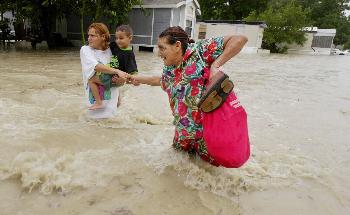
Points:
point(122, 39)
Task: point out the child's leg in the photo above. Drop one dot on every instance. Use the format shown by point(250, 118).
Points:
point(94, 81)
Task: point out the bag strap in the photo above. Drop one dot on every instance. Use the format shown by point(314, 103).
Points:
point(206, 70)
point(206, 73)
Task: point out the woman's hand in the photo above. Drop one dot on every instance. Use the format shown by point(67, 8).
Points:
point(149, 80)
point(133, 80)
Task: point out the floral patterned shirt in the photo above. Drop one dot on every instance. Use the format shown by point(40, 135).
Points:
point(184, 85)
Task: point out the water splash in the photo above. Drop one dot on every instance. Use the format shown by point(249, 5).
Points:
point(60, 171)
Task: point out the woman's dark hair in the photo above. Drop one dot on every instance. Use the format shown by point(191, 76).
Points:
point(176, 33)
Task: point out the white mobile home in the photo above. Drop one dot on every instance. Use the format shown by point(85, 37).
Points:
point(147, 22)
point(160, 15)
point(319, 42)
point(252, 30)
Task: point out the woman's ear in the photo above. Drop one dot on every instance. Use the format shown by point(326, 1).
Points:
point(178, 45)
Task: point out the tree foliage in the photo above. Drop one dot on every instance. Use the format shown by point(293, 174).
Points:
point(347, 44)
point(321, 14)
point(5, 5)
point(330, 14)
point(230, 9)
point(284, 21)
point(114, 11)
point(44, 13)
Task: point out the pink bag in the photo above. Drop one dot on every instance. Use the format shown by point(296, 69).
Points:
point(225, 132)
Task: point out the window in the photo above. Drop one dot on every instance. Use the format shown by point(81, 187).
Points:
point(188, 28)
point(202, 31)
point(322, 41)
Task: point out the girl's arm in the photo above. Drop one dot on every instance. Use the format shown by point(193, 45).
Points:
point(149, 80)
point(109, 70)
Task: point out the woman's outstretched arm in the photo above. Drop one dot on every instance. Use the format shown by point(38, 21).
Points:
point(149, 80)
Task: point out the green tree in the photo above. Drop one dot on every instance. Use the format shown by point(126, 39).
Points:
point(230, 9)
point(284, 24)
point(114, 11)
point(347, 44)
point(321, 13)
point(41, 15)
point(5, 5)
point(5, 30)
point(44, 13)
point(330, 14)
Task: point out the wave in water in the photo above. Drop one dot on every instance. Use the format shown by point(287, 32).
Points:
point(264, 169)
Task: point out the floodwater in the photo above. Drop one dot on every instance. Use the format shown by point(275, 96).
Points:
point(54, 160)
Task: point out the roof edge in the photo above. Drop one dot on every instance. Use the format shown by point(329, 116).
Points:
point(234, 22)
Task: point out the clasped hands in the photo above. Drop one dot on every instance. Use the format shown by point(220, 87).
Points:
point(123, 77)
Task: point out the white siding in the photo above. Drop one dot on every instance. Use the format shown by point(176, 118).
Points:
point(254, 33)
point(176, 17)
point(182, 22)
point(161, 22)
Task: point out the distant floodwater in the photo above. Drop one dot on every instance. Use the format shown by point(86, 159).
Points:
point(53, 157)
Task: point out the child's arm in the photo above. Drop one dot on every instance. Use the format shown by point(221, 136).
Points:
point(149, 80)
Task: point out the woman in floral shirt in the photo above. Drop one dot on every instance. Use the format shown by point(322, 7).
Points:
point(187, 66)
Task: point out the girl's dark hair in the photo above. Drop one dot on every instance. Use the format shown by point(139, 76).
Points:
point(176, 33)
